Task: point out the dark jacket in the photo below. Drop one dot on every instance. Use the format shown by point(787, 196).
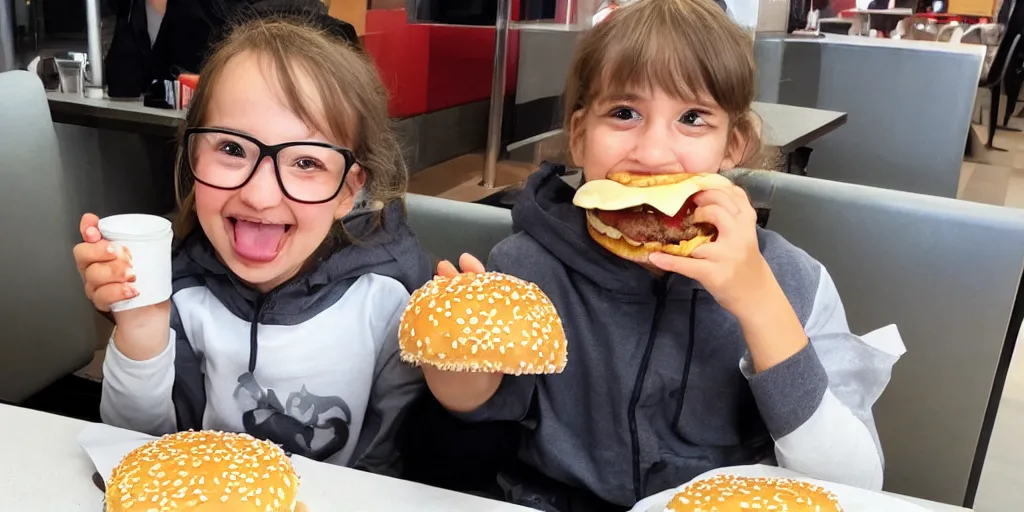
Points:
point(190, 28)
point(659, 387)
point(312, 365)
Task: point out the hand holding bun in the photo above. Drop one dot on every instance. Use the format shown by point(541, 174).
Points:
point(728, 493)
point(483, 322)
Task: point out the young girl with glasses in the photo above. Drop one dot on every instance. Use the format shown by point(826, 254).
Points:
point(283, 322)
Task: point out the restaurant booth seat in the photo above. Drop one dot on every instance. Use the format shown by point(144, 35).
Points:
point(447, 228)
point(946, 272)
point(46, 324)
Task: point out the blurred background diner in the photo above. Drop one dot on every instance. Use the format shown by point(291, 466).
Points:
point(894, 127)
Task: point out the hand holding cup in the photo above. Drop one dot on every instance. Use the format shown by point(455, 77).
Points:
point(125, 264)
point(106, 268)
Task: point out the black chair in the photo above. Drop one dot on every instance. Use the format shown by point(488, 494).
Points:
point(1003, 72)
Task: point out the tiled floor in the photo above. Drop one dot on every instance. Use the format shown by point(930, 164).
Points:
point(1000, 181)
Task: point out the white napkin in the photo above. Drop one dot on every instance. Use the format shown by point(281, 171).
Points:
point(106, 445)
point(887, 339)
point(851, 498)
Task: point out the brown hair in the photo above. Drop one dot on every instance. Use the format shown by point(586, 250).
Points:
point(353, 99)
point(688, 48)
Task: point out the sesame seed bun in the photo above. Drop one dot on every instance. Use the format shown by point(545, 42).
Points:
point(204, 471)
point(487, 322)
point(728, 493)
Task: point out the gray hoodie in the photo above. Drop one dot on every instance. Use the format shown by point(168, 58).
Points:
point(312, 365)
point(659, 387)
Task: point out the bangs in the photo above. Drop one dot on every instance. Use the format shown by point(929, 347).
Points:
point(310, 95)
point(689, 49)
point(651, 64)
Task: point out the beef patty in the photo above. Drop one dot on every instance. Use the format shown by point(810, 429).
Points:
point(645, 224)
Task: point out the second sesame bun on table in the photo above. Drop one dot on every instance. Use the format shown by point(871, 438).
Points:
point(487, 322)
point(204, 471)
point(729, 493)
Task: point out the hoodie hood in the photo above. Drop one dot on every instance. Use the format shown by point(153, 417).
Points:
point(388, 249)
point(544, 210)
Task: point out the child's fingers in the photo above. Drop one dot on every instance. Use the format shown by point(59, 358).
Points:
point(722, 198)
point(469, 263)
point(694, 268)
point(717, 216)
point(99, 275)
point(446, 269)
point(88, 253)
point(747, 212)
point(108, 294)
point(89, 228)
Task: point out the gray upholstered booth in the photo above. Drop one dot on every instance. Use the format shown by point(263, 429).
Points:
point(447, 228)
point(946, 272)
point(908, 103)
point(46, 327)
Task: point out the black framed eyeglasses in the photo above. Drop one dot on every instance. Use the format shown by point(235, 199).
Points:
point(308, 172)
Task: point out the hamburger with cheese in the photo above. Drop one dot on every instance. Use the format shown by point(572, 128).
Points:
point(729, 493)
point(486, 322)
point(204, 471)
point(636, 214)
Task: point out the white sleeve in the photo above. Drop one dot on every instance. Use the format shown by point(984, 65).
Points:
point(137, 394)
point(838, 442)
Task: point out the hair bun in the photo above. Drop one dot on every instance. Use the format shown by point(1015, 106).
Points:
point(201, 470)
point(487, 322)
point(730, 493)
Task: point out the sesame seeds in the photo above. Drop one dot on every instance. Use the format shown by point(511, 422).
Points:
point(234, 464)
point(728, 493)
point(491, 322)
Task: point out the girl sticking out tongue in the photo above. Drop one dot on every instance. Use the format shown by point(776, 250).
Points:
point(281, 325)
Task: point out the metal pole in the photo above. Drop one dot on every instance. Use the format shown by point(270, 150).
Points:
point(6, 36)
point(497, 93)
point(92, 26)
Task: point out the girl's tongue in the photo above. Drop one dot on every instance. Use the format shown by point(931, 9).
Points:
point(258, 242)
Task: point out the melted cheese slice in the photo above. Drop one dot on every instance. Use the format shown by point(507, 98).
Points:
point(668, 199)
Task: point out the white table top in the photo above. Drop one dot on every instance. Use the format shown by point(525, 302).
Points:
point(43, 468)
point(40, 450)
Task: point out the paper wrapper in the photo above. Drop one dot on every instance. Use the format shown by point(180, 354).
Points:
point(106, 446)
point(851, 499)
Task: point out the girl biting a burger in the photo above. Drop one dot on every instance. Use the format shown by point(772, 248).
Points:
point(696, 340)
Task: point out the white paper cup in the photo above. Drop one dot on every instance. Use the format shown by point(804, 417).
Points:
point(147, 239)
